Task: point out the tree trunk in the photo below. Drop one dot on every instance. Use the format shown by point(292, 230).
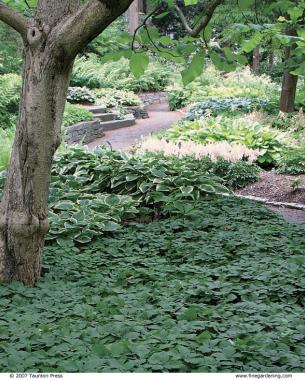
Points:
point(133, 13)
point(52, 39)
point(24, 206)
point(271, 60)
point(289, 86)
point(256, 59)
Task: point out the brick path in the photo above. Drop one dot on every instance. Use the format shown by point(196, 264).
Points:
point(160, 118)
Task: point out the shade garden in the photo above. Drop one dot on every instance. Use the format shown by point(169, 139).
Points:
point(153, 262)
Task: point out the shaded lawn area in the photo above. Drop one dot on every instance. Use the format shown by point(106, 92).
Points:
point(223, 291)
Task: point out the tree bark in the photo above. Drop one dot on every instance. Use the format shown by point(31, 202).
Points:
point(133, 15)
point(289, 86)
point(271, 60)
point(24, 206)
point(256, 59)
point(59, 30)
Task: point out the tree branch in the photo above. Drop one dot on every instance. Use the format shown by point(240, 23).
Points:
point(14, 19)
point(208, 14)
point(81, 28)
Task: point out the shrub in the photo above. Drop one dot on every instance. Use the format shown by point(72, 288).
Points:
point(91, 73)
point(292, 161)
point(290, 121)
point(116, 98)
point(10, 85)
point(80, 95)
point(75, 114)
point(236, 175)
point(240, 130)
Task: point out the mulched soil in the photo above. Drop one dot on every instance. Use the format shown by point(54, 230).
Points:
point(276, 187)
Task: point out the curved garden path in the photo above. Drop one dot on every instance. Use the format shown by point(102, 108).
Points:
point(160, 118)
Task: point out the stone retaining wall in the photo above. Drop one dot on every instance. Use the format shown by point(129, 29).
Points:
point(139, 112)
point(153, 97)
point(85, 132)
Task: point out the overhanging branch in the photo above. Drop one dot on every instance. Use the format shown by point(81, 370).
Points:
point(206, 18)
point(81, 28)
point(13, 19)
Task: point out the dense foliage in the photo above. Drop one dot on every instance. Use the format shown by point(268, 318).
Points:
point(292, 161)
point(116, 98)
point(216, 292)
point(216, 85)
point(80, 95)
point(75, 114)
point(156, 185)
point(91, 73)
point(94, 193)
point(6, 142)
point(239, 130)
point(216, 106)
point(10, 85)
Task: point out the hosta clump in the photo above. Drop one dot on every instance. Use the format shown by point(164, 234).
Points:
point(239, 130)
point(116, 98)
point(82, 217)
point(92, 193)
point(80, 95)
point(216, 106)
point(150, 179)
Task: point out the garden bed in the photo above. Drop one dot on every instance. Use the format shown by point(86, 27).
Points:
point(276, 187)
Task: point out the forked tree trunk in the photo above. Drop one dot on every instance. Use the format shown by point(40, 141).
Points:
point(59, 30)
point(24, 207)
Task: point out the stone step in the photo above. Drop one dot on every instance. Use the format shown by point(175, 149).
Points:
point(105, 116)
point(97, 109)
point(115, 124)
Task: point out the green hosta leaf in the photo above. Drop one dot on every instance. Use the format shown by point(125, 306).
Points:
point(138, 64)
point(110, 226)
point(194, 70)
point(64, 205)
point(83, 239)
point(187, 190)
